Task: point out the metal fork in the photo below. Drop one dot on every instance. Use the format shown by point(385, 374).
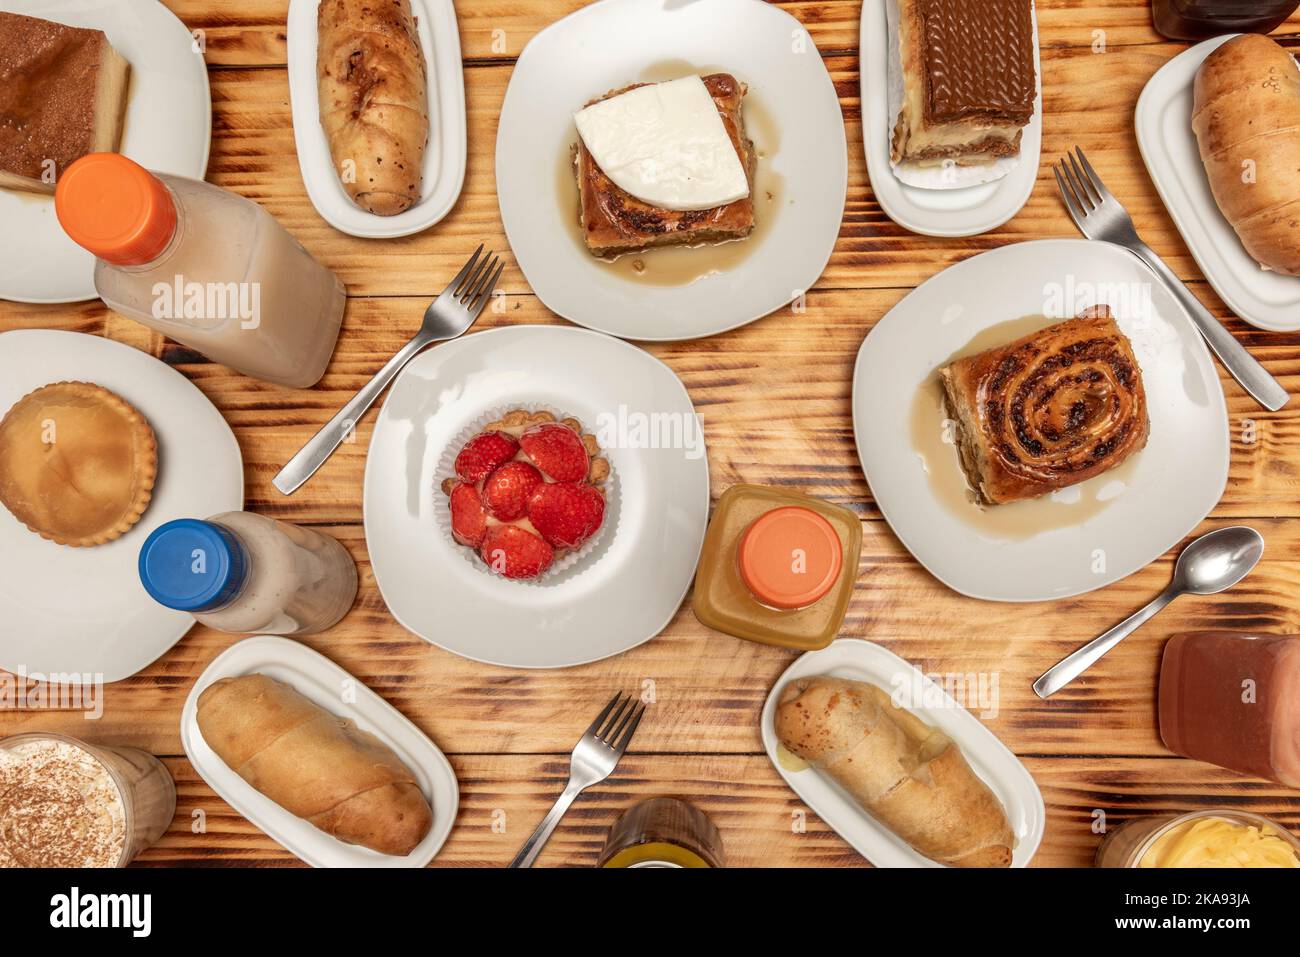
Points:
point(1099, 215)
point(594, 759)
point(448, 316)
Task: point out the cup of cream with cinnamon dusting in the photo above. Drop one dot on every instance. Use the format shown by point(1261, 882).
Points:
point(65, 803)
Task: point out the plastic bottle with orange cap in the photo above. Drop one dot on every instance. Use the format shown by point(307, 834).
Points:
point(206, 267)
point(777, 567)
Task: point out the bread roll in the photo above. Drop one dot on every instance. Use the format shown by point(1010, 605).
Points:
point(314, 764)
point(373, 100)
point(1247, 122)
point(907, 775)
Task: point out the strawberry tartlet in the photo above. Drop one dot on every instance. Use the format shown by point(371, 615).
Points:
point(527, 492)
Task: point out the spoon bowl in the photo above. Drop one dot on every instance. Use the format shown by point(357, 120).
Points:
point(1218, 560)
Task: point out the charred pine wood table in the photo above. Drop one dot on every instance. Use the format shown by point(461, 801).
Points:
point(775, 398)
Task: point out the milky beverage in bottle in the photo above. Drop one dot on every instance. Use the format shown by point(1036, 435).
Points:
point(245, 573)
point(203, 266)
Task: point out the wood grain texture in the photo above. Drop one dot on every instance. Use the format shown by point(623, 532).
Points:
point(775, 397)
point(763, 824)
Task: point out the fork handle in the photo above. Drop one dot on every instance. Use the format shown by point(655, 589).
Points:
point(1244, 367)
point(322, 445)
point(537, 840)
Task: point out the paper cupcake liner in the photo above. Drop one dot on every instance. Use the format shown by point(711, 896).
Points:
point(446, 468)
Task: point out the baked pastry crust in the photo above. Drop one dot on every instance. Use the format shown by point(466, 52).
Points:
point(1047, 411)
point(77, 463)
point(372, 85)
point(615, 222)
point(969, 82)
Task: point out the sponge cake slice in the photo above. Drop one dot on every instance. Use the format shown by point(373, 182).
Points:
point(63, 94)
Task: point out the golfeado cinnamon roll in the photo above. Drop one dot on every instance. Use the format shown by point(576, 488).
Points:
point(1049, 410)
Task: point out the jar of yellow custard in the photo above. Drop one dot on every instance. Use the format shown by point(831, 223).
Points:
point(1214, 838)
point(777, 567)
point(663, 832)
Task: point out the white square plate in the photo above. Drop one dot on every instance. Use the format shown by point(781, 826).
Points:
point(613, 599)
point(1267, 300)
point(1175, 480)
point(996, 766)
point(612, 44)
point(83, 611)
point(935, 212)
point(326, 684)
point(444, 157)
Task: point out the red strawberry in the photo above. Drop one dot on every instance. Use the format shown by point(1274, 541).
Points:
point(468, 519)
point(557, 450)
point(483, 453)
point(515, 552)
point(566, 514)
point(507, 490)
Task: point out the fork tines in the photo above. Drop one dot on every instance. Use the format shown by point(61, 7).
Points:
point(476, 280)
point(616, 724)
point(1080, 186)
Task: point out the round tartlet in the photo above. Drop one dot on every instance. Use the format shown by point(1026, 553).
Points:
point(77, 463)
point(527, 493)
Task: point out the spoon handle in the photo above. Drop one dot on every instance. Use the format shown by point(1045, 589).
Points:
point(1065, 671)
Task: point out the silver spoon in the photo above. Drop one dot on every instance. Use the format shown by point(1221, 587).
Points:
point(1213, 563)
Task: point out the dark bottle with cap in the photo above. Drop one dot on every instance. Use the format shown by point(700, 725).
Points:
point(663, 832)
point(1201, 19)
point(245, 573)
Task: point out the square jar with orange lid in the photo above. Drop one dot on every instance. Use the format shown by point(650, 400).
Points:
point(777, 567)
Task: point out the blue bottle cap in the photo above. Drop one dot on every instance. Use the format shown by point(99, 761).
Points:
point(192, 565)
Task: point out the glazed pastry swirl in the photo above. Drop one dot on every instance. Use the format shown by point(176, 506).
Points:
point(1048, 410)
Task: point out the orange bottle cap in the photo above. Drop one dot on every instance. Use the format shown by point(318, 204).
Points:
point(115, 208)
point(790, 557)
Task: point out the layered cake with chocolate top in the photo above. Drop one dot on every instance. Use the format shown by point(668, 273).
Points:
point(969, 79)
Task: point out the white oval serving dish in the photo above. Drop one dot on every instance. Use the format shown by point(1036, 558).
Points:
point(325, 683)
point(444, 158)
point(859, 660)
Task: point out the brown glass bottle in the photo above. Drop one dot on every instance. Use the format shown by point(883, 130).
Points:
point(1201, 19)
point(663, 832)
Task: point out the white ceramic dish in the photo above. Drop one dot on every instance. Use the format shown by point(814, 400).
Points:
point(1163, 121)
point(612, 43)
point(860, 660)
point(1174, 482)
point(935, 212)
point(168, 128)
point(326, 684)
point(632, 583)
point(444, 158)
point(82, 611)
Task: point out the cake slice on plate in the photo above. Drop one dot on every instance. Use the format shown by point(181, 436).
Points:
point(63, 94)
point(969, 80)
point(661, 164)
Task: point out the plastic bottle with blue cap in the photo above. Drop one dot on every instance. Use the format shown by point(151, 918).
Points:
point(244, 573)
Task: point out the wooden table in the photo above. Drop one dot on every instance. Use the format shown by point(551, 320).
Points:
point(776, 398)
